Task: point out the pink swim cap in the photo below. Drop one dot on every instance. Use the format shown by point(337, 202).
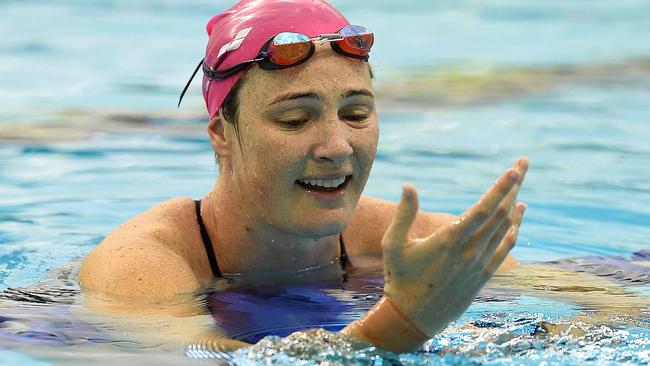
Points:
point(238, 34)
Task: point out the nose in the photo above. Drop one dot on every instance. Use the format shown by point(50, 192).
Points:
point(333, 146)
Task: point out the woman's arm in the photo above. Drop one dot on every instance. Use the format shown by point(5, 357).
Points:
point(178, 322)
point(135, 281)
point(431, 281)
point(152, 255)
point(144, 270)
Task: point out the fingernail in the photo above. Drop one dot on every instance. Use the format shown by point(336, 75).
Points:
point(406, 192)
point(523, 164)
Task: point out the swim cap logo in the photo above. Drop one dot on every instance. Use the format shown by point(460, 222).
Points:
point(235, 43)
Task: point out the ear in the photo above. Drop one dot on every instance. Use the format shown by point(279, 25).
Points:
point(222, 146)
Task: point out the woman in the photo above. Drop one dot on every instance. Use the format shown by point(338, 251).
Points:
point(294, 128)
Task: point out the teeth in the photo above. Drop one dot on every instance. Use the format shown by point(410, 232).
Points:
point(328, 183)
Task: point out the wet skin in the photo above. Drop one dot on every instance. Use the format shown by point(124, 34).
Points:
point(316, 121)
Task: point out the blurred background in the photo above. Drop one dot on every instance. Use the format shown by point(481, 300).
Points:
point(136, 55)
point(90, 134)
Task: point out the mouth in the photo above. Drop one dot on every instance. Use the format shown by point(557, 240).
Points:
point(325, 186)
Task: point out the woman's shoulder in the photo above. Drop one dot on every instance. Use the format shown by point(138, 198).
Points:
point(171, 208)
point(151, 252)
point(371, 219)
point(163, 222)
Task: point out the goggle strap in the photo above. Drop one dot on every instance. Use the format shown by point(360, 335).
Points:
point(264, 63)
point(224, 74)
point(189, 82)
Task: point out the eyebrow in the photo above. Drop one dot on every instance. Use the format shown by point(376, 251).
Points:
point(314, 96)
point(293, 96)
point(359, 92)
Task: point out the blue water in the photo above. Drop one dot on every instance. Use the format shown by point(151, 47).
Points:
point(565, 83)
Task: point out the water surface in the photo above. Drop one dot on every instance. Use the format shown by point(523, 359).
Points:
point(89, 136)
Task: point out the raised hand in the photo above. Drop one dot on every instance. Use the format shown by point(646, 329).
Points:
point(433, 280)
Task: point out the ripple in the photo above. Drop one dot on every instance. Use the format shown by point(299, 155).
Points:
point(613, 267)
point(31, 48)
point(602, 148)
point(80, 153)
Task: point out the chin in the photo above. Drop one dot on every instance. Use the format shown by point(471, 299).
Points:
point(319, 228)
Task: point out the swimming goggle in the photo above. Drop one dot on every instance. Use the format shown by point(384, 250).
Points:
point(289, 49)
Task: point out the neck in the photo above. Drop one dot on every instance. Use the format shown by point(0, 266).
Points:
point(245, 244)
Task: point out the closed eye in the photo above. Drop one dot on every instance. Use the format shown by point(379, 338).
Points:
point(293, 123)
point(355, 117)
point(293, 118)
point(355, 113)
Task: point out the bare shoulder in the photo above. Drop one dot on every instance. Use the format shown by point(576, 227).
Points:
point(151, 255)
point(371, 219)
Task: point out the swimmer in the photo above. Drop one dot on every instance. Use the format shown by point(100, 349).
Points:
point(294, 129)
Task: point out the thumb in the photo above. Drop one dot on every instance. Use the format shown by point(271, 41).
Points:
point(397, 233)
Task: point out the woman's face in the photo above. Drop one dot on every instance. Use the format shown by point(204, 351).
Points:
point(309, 137)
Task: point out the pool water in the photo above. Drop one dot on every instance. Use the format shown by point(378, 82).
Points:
point(93, 138)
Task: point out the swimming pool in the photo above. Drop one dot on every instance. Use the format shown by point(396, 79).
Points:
point(567, 85)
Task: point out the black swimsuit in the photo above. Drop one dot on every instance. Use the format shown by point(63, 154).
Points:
point(209, 249)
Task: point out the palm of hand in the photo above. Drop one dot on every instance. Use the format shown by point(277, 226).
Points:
point(433, 280)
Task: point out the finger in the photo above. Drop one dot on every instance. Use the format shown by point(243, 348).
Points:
point(493, 242)
point(514, 219)
point(505, 189)
point(500, 221)
point(505, 215)
point(397, 233)
point(485, 207)
point(508, 242)
point(522, 164)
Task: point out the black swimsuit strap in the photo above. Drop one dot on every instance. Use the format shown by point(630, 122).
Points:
point(344, 254)
point(209, 248)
